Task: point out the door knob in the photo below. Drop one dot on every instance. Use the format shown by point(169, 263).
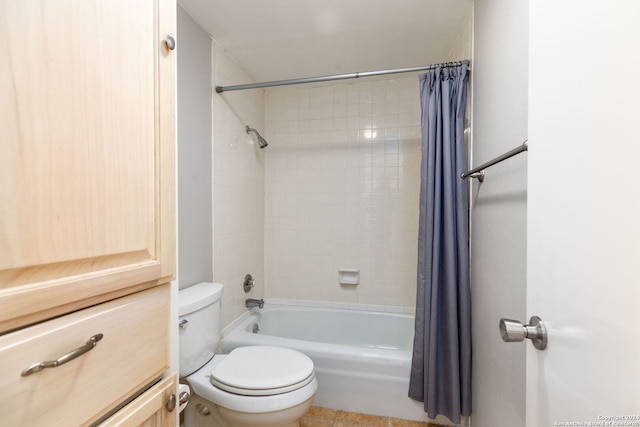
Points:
point(514, 331)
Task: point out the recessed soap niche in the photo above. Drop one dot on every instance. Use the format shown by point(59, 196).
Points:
point(349, 276)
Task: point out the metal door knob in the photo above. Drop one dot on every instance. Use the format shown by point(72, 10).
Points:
point(514, 331)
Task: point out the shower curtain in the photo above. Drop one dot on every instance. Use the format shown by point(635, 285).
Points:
point(441, 364)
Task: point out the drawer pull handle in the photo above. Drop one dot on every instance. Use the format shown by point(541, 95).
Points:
point(36, 367)
point(171, 403)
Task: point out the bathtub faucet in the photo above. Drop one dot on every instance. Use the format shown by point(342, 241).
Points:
point(250, 303)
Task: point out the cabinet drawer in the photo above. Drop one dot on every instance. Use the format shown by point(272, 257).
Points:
point(132, 352)
point(150, 409)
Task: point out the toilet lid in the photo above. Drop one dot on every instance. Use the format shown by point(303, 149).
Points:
point(262, 371)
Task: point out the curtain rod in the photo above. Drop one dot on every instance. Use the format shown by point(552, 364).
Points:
point(220, 89)
point(478, 171)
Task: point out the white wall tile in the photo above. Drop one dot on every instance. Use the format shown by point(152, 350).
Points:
point(238, 184)
point(342, 196)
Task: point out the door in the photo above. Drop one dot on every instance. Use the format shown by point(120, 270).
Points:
point(86, 153)
point(583, 249)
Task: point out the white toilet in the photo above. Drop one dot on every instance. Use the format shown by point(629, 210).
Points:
point(251, 386)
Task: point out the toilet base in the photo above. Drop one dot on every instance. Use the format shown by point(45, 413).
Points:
point(202, 413)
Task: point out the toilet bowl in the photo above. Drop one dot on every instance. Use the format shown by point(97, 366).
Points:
point(257, 395)
point(253, 386)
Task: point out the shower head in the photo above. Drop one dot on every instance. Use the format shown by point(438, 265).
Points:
point(261, 141)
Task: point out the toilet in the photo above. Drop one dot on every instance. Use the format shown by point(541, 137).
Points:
point(253, 386)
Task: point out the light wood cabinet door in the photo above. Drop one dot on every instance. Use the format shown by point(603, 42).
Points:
point(150, 409)
point(87, 159)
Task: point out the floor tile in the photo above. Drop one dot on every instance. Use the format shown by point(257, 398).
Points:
point(319, 412)
point(315, 422)
point(396, 422)
point(360, 419)
point(348, 424)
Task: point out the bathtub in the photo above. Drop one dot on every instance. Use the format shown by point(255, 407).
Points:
point(362, 358)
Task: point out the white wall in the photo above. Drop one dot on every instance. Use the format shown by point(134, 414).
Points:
point(463, 46)
point(498, 240)
point(238, 186)
point(195, 247)
point(194, 213)
point(342, 177)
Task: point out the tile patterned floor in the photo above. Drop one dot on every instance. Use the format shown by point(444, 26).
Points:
point(325, 417)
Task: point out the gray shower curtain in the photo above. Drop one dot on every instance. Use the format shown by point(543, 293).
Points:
point(441, 365)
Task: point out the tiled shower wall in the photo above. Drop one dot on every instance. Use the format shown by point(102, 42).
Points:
point(238, 186)
point(342, 180)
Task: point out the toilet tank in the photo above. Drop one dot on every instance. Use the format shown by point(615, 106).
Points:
point(199, 331)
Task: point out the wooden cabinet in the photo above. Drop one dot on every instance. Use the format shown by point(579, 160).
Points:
point(150, 409)
point(133, 352)
point(87, 146)
point(87, 202)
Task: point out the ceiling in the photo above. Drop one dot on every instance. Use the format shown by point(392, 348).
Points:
point(284, 39)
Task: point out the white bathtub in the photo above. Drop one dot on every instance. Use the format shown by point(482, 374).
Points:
point(362, 358)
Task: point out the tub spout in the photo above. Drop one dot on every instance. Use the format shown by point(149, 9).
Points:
point(250, 303)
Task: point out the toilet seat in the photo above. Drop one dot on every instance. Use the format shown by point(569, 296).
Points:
point(200, 382)
point(262, 371)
